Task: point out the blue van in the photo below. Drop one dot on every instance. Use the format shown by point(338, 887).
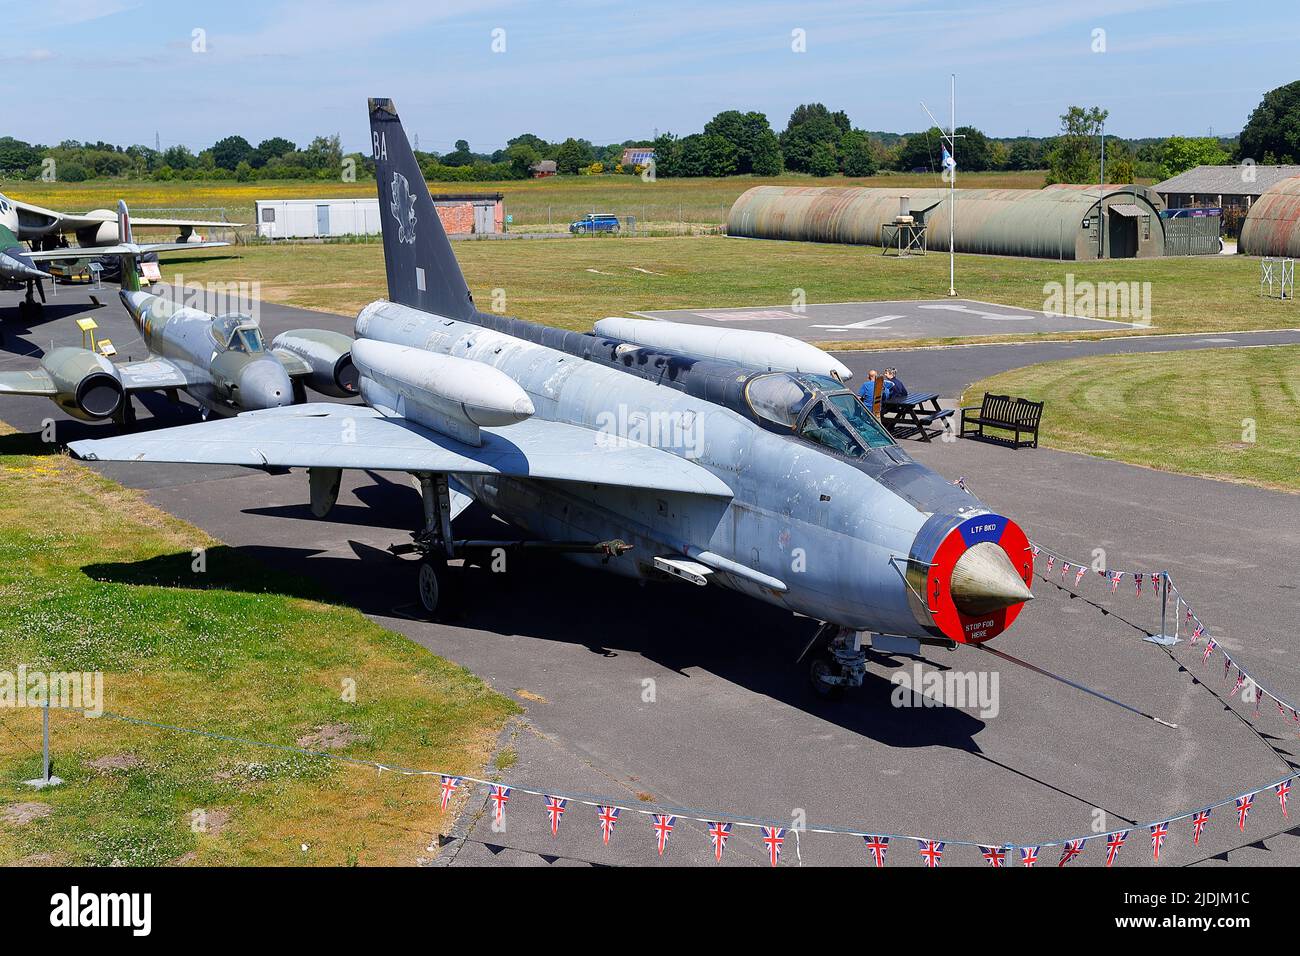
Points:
point(594, 222)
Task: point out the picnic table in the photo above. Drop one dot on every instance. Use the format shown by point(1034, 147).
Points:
point(914, 415)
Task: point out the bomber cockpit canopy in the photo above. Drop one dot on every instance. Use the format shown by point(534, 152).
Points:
point(818, 409)
point(237, 333)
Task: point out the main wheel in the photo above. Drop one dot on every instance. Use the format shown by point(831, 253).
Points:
point(438, 589)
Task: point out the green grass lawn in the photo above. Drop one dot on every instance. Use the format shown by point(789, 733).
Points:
point(533, 203)
point(1221, 413)
point(574, 281)
point(93, 578)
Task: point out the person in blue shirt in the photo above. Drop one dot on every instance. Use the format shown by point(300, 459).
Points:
point(868, 390)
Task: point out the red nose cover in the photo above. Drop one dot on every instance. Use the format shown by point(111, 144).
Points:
point(966, 628)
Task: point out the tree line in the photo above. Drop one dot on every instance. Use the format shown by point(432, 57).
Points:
point(816, 141)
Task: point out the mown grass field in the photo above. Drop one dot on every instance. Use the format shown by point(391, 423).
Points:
point(93, 578)
point(1232, 414)
point(572, 282)
point(534, 203)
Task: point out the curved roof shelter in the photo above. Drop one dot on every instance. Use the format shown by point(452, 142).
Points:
point(1272, 227)
point(1060, 223)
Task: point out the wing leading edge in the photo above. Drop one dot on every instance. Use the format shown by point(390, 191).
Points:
point(347, 436)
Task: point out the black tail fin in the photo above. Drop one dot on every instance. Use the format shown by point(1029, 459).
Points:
point(422, 270)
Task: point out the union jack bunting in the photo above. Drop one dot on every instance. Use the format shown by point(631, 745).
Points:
point(1078, 575)
point(931, 851)
point(994, 856)
point(663, 824)
point(1028, 855)
point(1158, 833)
point(1198, 823)
point(1115, 578)
point(1209, 649)
point(1156, 579)
point(498, 794)
point(1051, 561)
point(1259, 700)
point(1137, 577)
point(555, 807)
point(1065, 567)
point(1196, 634)
point(1114, 843)
point(1243, 810)
point(449, 786)
point(1071, 849)
point(1282, 790)
point(879, 846)
point(1241, 679)
point(718, 833)
point(1227, 668)
point(608, 816)
point(773, 839)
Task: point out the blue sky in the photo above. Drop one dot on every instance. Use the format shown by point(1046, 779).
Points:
point(120, 70)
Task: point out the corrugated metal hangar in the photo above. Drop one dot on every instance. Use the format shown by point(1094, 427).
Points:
point(1272, 227)
point(1120, 223)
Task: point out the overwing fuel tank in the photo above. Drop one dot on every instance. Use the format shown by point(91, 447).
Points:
point(454, 396)
point(765, 350)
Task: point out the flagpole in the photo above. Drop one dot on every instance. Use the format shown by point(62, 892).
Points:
point(952, 184)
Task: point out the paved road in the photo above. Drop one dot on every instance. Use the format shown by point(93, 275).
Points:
point(910, 319)
point(730, 724)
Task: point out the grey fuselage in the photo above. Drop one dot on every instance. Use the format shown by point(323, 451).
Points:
point(225, 375)
point(836, 532)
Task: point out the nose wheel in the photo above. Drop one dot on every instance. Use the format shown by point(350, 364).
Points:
point(836, 661)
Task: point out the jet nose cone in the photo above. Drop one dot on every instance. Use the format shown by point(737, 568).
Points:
point(985, 580)
point(264, 384)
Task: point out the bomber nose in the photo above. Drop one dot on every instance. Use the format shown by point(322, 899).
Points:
point(985, 580)
point(264, 384)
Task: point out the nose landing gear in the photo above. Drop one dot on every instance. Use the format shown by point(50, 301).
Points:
point(836, 660)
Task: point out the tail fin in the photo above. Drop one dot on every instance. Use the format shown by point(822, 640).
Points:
point(130, 277)
point(422, 270)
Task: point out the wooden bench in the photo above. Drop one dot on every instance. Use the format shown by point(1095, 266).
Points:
point(914, 415)
point(1017, 415)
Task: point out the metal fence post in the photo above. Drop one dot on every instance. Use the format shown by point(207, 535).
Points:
point(45, 780)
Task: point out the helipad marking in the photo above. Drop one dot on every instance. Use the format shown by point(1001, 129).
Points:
point(864, 324)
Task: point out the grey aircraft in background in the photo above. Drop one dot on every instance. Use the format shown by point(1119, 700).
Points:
point(750, 467)
point(218, 360)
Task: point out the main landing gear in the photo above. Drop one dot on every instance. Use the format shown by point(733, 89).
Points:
point(29, 308)
point(836, 660)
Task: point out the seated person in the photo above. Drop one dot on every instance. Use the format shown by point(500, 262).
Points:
point(868, 390)
point(895, 390)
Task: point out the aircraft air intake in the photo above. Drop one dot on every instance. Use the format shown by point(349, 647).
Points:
point(984, 580)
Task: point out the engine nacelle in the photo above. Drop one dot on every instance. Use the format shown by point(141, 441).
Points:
point(329, 354)
point(88, 386)
point(103, 234)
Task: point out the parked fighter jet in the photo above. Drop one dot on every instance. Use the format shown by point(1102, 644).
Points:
point(754, 470)
point(221, 361)
point(18, 264)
